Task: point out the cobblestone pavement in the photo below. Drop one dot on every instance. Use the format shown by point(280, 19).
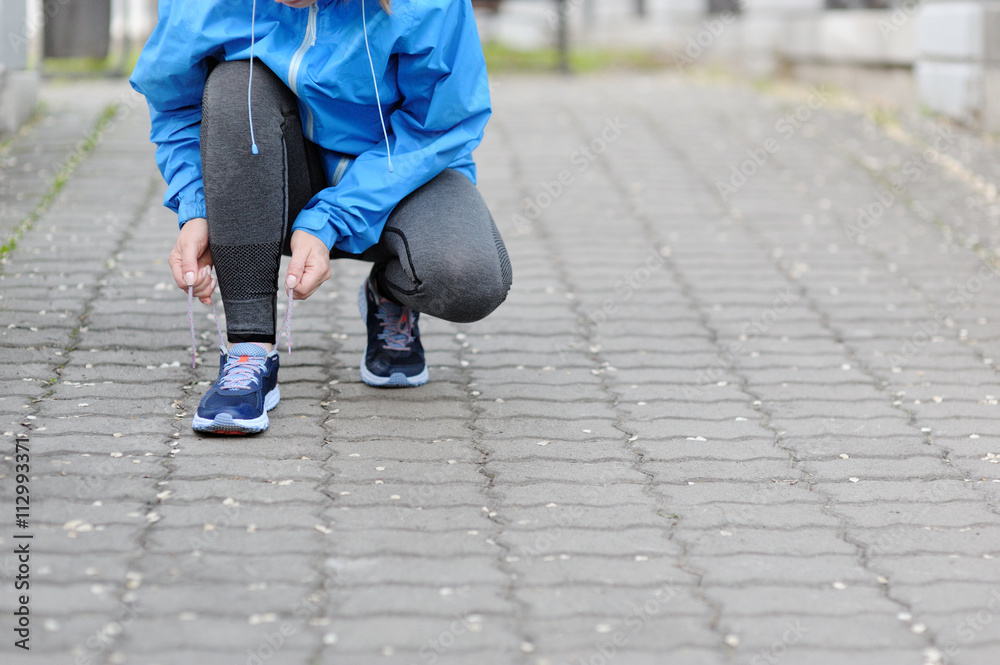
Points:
point(724, 417)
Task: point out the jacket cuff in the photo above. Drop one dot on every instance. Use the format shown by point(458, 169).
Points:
point(316, 223)
point(188, 210)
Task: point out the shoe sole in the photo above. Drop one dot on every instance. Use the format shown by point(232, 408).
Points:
point(226, 424)
point(396, 379)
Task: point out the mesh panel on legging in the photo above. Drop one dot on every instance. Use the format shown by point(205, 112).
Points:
point(248, 280)
point(506, 270)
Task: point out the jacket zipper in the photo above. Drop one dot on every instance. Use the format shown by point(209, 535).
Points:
point(294, 68)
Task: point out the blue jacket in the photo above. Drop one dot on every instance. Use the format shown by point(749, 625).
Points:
point(432, 85)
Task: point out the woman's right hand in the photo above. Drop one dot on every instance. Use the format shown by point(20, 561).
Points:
point(191, 260)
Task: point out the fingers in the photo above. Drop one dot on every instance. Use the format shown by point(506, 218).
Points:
point(313, 276)
point(305, 277)
point(204, 285)
point(296, 268)
point(309, 267)
point(191, 260)
point(174, 261)
point(207, 263)
point(191, 273)
point(196, 274)
point(204, 282)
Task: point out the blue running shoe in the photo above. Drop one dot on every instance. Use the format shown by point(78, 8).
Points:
point(247, 388)
point(394, 357)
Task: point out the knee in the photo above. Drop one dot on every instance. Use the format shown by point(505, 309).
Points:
point(224, 100)
point(223, 86)
point(472, 292)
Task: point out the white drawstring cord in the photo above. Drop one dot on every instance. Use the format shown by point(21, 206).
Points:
point(371, 63)
point(253, 18)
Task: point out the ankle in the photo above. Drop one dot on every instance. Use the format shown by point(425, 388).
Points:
point(264, 345)
point(380, 292)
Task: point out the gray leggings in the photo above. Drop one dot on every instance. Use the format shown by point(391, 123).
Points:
point(440, 252)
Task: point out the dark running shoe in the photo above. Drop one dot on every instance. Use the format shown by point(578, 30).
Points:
point(394, 357)
point(247, 388)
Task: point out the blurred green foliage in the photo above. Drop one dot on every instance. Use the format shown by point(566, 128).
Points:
point(113, 65)
point(501, 58)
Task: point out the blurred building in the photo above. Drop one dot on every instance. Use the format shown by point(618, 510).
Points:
point(18, 80)
point(36, 29)
point(940, 54)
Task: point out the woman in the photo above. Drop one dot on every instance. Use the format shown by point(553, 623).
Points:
point(322, 129)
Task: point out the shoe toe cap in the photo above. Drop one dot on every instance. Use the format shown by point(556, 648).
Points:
point(245, 407)
point(381, 365)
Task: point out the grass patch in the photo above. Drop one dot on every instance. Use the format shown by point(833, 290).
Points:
point(25, 128)
point(80, 151)
point(113, 65)
point(883, 117)
point(501, 58)
point(75, 66)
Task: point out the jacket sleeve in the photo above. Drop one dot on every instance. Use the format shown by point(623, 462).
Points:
point(171, 73)
point(445, 107)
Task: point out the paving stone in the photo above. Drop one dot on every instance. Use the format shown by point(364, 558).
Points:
point(891, 515)
point(750, 514)
point(150, 635)
point(637, 631)
point(778, 636)
point(804, 602)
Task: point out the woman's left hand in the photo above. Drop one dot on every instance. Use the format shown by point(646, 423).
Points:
point(310, 265)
